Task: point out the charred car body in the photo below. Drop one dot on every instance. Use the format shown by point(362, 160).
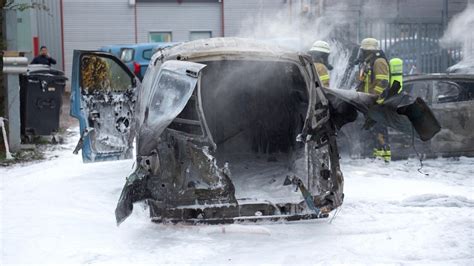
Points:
point(212, 114)
point(451, 98)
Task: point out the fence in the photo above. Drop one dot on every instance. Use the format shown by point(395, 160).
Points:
point(417, 43)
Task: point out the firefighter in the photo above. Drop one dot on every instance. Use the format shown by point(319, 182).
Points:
point(374, 76)
point(320, 52)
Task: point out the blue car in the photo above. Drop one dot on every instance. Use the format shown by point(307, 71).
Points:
point(136, 56)
point(115, 49)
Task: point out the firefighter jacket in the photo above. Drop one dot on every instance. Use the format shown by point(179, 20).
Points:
point(323, 74)
point(374, 76)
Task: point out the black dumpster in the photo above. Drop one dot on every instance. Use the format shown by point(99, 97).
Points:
point(41, 91)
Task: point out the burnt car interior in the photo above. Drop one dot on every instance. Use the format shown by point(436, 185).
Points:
point(254, 111)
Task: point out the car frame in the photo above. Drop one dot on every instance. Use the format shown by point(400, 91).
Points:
point(203, 109)
point(451, 98)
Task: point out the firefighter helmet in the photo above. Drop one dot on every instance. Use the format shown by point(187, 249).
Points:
point(369, 44)
point(321, 46)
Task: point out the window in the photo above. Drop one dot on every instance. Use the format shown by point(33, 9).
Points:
point(160, 37)
point(446, 92)
point(147, 54)
point(418, 89)
point(188, 120)
point(100, 74)
point(468, 88)
point(127, 55)
point(197, 35)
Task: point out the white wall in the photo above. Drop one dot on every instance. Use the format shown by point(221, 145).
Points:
point(180, 19)
point(240, 14)
point(89, 24)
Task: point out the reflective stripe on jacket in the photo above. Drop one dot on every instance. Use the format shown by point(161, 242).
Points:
point(323, 74)
point(381, 77)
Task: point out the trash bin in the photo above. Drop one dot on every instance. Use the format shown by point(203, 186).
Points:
point(41, 91)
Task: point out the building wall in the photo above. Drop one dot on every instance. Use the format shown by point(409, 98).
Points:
point(179, 19)
point(48, 30)
point(90, 24)
point(240, 15)
point(45, 24)
point(409, 10)
point(23, 27)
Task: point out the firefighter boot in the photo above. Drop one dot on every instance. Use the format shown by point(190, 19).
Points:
point(383, 153)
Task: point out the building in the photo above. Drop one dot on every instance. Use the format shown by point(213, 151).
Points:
point(89, 24)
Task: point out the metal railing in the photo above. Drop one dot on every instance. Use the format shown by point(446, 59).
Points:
point(417, 43)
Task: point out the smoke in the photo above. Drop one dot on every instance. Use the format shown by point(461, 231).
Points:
point(336, 22)
point(291, 26)
point(459, 34)
point(297, 26)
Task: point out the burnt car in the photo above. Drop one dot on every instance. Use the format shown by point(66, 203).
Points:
point(209, 118)
point(451, 98)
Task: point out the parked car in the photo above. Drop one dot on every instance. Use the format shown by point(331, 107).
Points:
point(136, 56)
point(451, 98)
point(115, 49)
point(209, 116)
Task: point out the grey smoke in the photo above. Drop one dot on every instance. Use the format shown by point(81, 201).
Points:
point(459, 34)
point(298, 28)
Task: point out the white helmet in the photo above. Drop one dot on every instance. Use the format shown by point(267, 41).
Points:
point(369, 44)
point(321, 46)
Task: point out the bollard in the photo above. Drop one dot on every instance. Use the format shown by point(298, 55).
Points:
point(8, 155)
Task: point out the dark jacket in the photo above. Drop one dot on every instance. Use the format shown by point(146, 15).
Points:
point(43, 60)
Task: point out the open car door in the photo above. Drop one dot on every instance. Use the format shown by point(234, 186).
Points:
point(103, 96)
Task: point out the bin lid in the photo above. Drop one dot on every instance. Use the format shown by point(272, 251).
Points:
point(44, 70)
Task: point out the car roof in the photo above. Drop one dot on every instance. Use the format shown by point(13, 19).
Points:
point(138, 45)
point(439, 76)
point(114, 46)
point(231, 46)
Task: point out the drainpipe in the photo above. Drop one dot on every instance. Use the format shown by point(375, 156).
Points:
point(61, 10)
point(222, 19)
point(34, 31)
point(136, 26)
point(133, 4)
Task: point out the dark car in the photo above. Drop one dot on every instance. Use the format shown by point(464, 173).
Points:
point(209, 116)
point(451, 98)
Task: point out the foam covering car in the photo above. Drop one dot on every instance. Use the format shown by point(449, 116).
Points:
point(211, 115)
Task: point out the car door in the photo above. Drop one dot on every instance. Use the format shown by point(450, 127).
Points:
point(103, 96)
point(456, 116)
point(324, 176)
point(171, 99)
point(401, 143)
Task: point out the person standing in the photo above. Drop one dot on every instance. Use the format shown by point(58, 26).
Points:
point(43, 58)
point(374, 77)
